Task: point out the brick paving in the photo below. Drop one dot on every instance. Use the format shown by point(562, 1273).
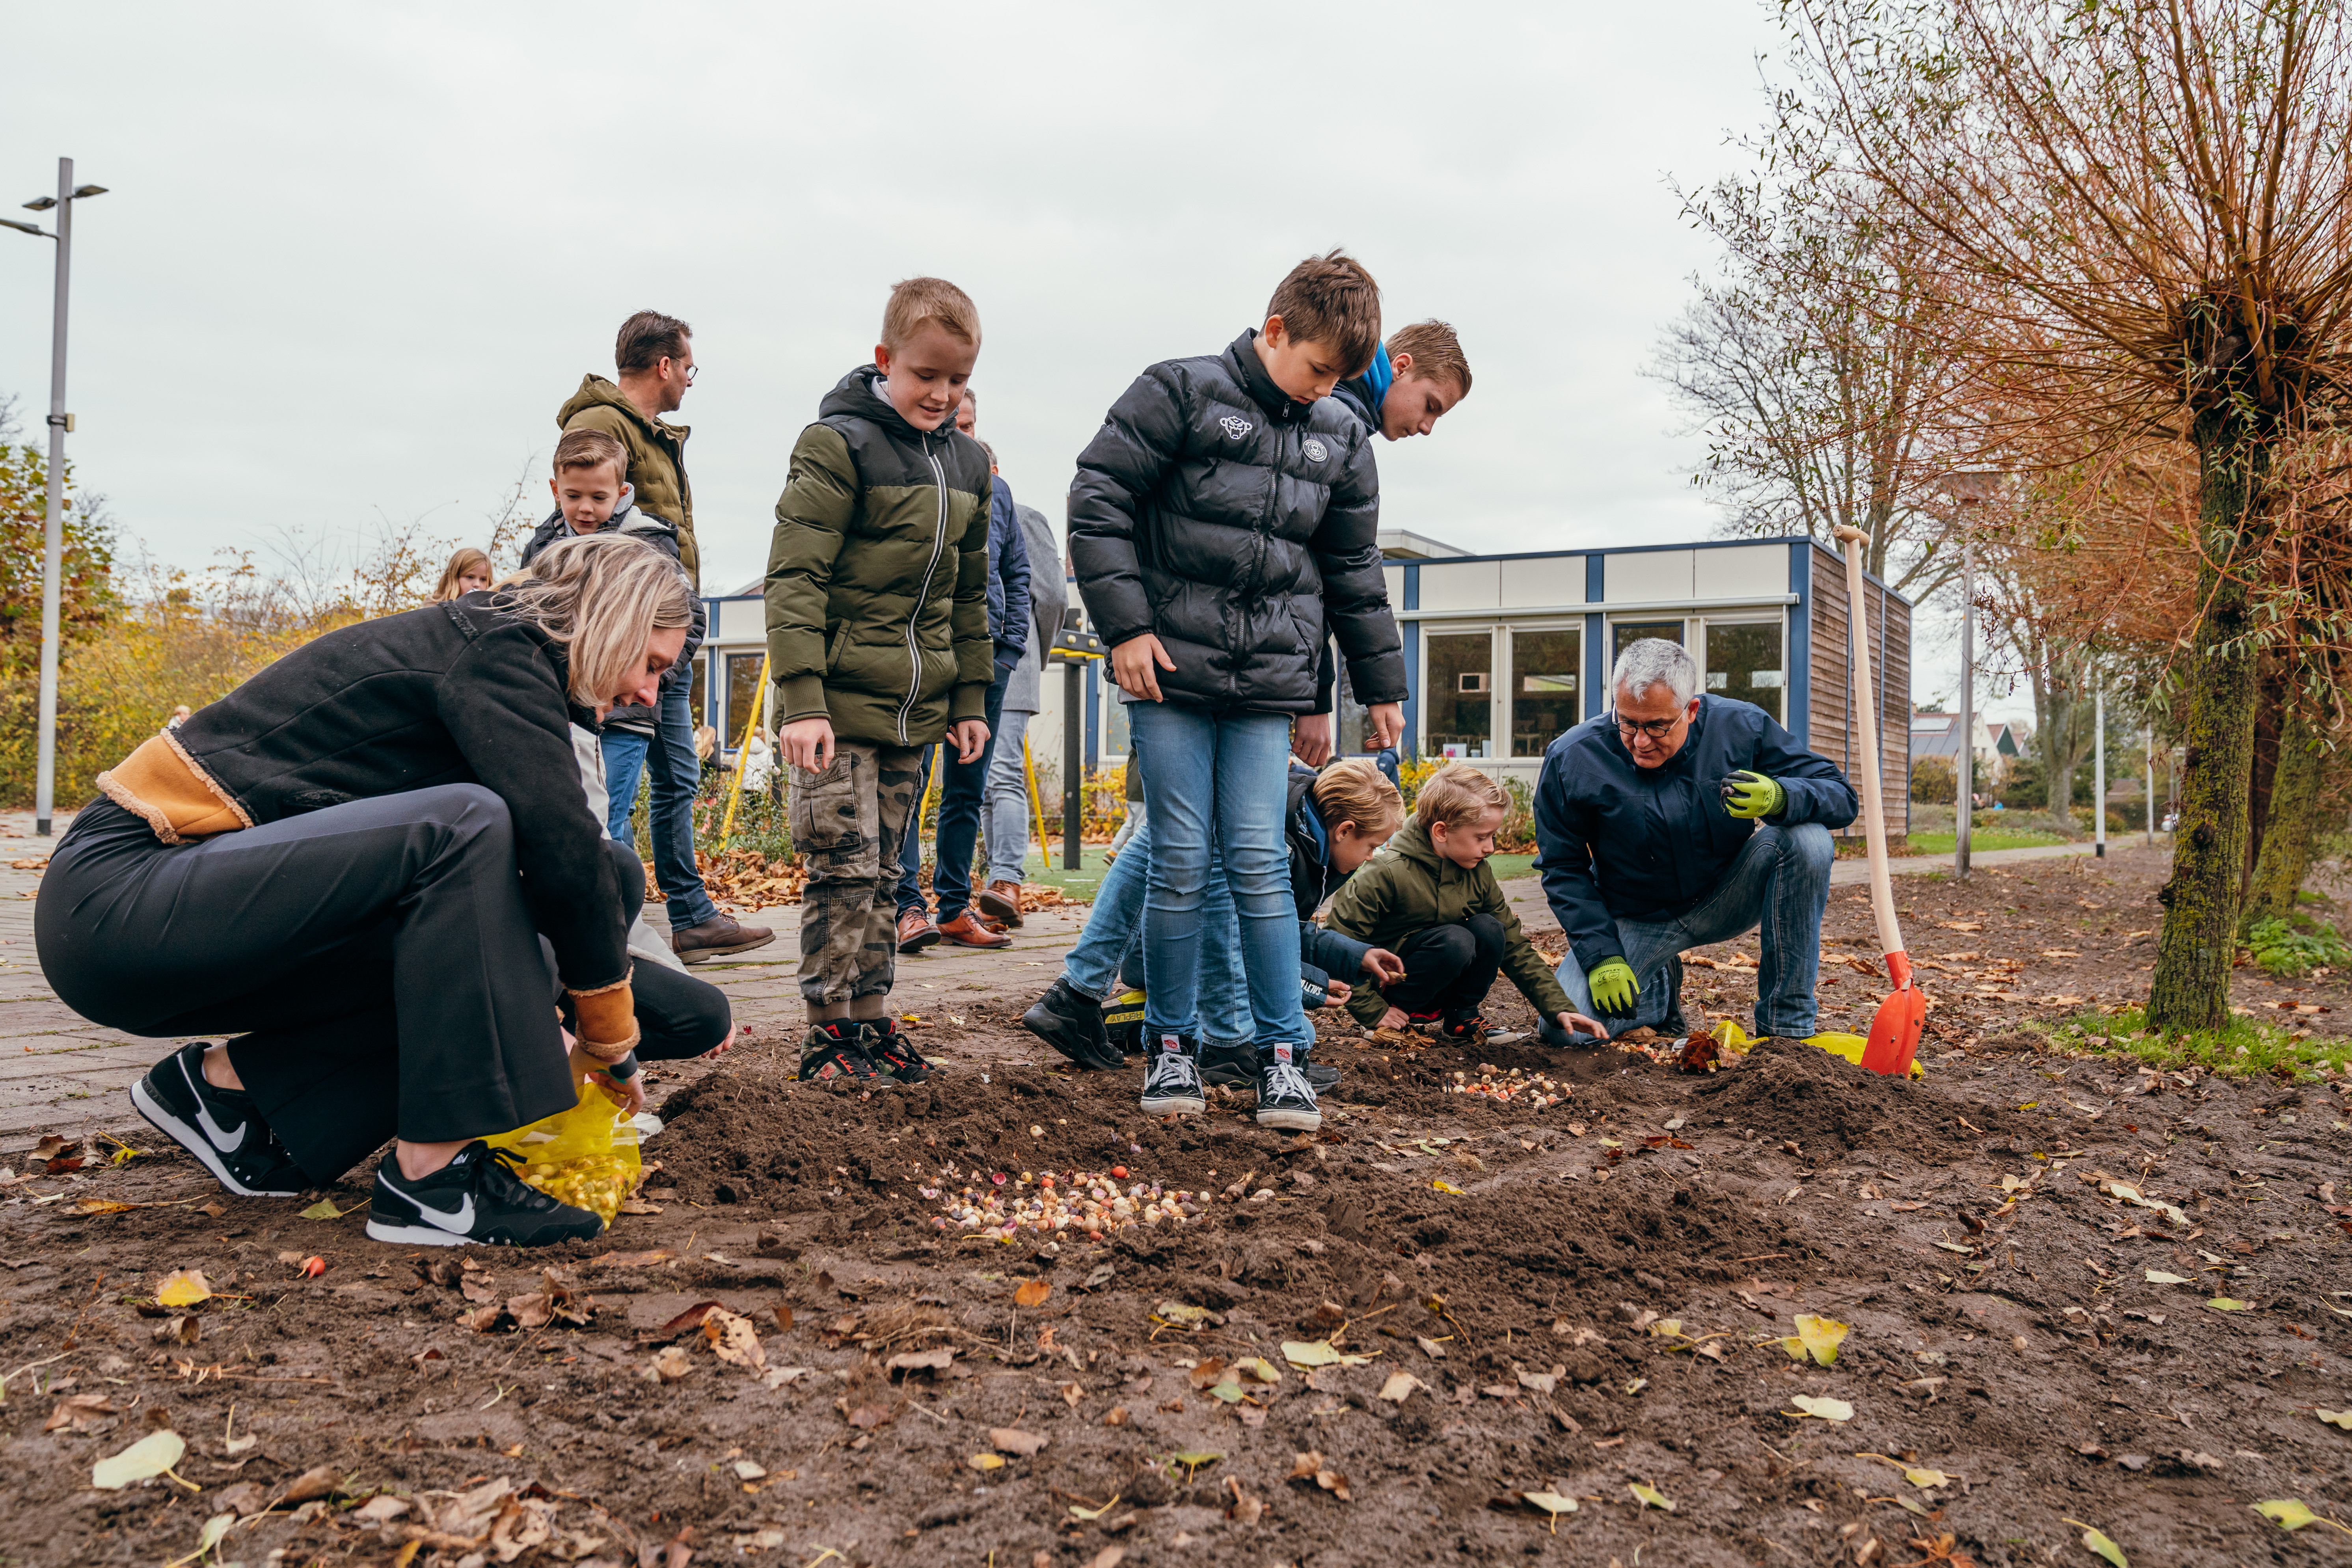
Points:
point(61, 1073)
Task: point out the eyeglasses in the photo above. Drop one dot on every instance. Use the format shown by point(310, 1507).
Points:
point(1657, 728)
point(687, 372)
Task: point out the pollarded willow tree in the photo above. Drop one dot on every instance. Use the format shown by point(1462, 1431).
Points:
point(2138, 212)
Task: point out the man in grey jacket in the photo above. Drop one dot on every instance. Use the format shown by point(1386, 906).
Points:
point(1007, 809)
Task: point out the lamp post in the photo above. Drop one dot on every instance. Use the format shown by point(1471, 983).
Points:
point(59, 422)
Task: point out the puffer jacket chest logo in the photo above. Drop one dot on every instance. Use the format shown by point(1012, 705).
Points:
point(1315, 451)
point(1236, 425)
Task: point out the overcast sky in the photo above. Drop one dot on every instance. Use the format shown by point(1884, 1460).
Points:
point(354, 258)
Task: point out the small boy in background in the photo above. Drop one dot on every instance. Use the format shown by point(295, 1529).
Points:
point(878, 635)
point(592, 494)
point(1224, 515)
point(1429, 895)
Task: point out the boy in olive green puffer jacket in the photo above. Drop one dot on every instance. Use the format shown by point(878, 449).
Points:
point(878, 638)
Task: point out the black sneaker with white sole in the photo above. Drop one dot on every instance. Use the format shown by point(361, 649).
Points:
point(1071, 1022)
point(892, 1051)
point(1172, 1078)
point(475, 1199)
point(219, 1126)
point(1285, 1097)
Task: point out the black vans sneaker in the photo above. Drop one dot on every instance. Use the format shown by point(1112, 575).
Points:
point(1229, 1066)
point(1071, 1022)
point(219, 1126)
point(1172, 1078)
point(831, 1050)
point(475, 1198)
point(1285, 1097)
point(892, 1051)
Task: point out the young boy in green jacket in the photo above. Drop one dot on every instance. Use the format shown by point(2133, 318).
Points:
point(877, 637)
point(1428, 896)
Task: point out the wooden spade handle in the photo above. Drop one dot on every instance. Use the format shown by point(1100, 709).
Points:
point(1873, 814)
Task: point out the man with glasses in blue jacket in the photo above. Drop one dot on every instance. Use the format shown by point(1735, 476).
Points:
point(1678, 820)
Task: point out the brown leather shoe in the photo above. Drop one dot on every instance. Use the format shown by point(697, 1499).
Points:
point(1001, 901)
point(916, 932)
point(717, 937)
point(965, 931)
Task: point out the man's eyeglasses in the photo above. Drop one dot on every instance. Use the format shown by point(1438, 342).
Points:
point(687, 371)
point(1657, 728)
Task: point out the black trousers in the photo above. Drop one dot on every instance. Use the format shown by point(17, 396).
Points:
point(377, 959)
point(1448, 969)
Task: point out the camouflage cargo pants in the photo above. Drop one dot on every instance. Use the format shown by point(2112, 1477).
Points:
point(847, 823)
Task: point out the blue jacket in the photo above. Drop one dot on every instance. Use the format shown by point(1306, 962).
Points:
point(1008, 578)
point(1361, 395)
point(1621, 842)
point(1312, 880)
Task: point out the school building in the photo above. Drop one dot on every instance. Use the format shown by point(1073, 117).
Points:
point(1505, 652)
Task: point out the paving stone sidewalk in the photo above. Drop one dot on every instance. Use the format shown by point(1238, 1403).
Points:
point(61, 1073)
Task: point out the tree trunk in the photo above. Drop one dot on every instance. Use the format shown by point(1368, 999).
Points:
point(2285, 853)
point(2190, 987)
point(2058, 750)
point(2273, 680)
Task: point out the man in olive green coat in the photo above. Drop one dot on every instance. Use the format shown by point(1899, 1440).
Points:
point(653, 356)
point(877, 632)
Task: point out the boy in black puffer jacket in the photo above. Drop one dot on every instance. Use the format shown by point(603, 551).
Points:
point(1219, 520)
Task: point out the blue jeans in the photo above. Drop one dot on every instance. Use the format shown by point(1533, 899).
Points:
point(677, 773)
point(962, 789)
point(1780, 881)
point(1111, 948)
point(1007, 810)
point(1217, 780)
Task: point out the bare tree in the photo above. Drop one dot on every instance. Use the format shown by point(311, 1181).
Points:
point(2135, 217)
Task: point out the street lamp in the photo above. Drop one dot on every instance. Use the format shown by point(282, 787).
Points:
point(59, 422)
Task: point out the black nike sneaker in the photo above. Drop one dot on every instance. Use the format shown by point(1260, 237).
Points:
point(1285, 1097)
point(1071, 1022)
point(1172, 1078)
point(832, 1050)
point(475, 1198)
point(219, 1126)
point(892, 1051)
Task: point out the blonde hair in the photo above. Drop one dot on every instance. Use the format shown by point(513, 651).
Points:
point(598, 597)
point(1355, 791)
point(458, 565)
point(1458, 795)
point(916, 300)
point(1436, 353)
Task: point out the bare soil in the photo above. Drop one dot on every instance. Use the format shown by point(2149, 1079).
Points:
point(2003, 1331)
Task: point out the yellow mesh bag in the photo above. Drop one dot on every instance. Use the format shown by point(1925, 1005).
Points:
point(586, 1156)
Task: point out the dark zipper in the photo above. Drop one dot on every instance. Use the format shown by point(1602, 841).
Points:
point(923, 594)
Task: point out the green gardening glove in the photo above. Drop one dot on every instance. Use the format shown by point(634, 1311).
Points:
point(1613, 985)
point(1752, 794)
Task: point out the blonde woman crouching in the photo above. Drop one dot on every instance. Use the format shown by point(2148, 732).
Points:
point(350, 862)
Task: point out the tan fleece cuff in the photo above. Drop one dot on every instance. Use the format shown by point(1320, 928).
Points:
point(161, 785)
point(607, 1022)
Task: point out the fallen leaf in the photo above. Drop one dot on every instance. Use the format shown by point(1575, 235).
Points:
point(1032, 1293)
point(380, 1510)
point(1259, 1369)
point(2335, 1418)
point(1429, 1347)
point(1311, 1467)
point(670, 1363)
point(215, 1528)
point(934, 1360)
point(1553, 1503)
point(865, 1417)
point(1400, 1386)
point(1650, 1497)
point(733, 1340)
point(2159, 1276)
point(1816, 1337)
point(1013, 1440)
point(990, 1462)
point(151, 1456)
point(2224, 1304)
point(1193, 1459)
point(323, 1209)
point(1089, 1514)
point(183, 1329)
point(1445, 1186)
point(103, 1205)
point(1821, 1408)
point(182, 1288)
point(320, 1480)
point(689, 1319)
point(2291, 1513)
point(1245, 1509)
point(79, 1411)
point(1319, 1352)
point(1178, 1312)
point(2098, 1540)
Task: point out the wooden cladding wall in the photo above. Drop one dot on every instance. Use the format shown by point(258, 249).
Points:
point(1830, 730)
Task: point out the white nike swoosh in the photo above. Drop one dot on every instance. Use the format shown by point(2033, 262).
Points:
point(224, 1141)
point(458, 1221)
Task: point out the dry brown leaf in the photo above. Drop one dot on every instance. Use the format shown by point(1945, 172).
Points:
point(82, 1412)
point(1247, 1508)
point(320, 1480)
point(733, 1339)
point(1013, 1440)
point(1310, 1466)
point(1032, 1293)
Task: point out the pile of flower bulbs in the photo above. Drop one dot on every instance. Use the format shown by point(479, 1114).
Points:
point(1089, 1203)
point(1516, 1085)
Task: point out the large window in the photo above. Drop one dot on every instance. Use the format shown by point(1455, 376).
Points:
point(1743, 661)
point(1625, 634)
point(1546, 667)
point(1458, 706)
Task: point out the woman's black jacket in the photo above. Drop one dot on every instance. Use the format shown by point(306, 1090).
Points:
point(457, 693)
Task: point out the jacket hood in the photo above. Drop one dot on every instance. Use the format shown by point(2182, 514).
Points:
point(1241, 357)
point(1364, 393)
point(1411, 841)
point(859, 394)
point(595, 391)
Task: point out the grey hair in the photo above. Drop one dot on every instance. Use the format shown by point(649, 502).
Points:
point(1651, 662)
